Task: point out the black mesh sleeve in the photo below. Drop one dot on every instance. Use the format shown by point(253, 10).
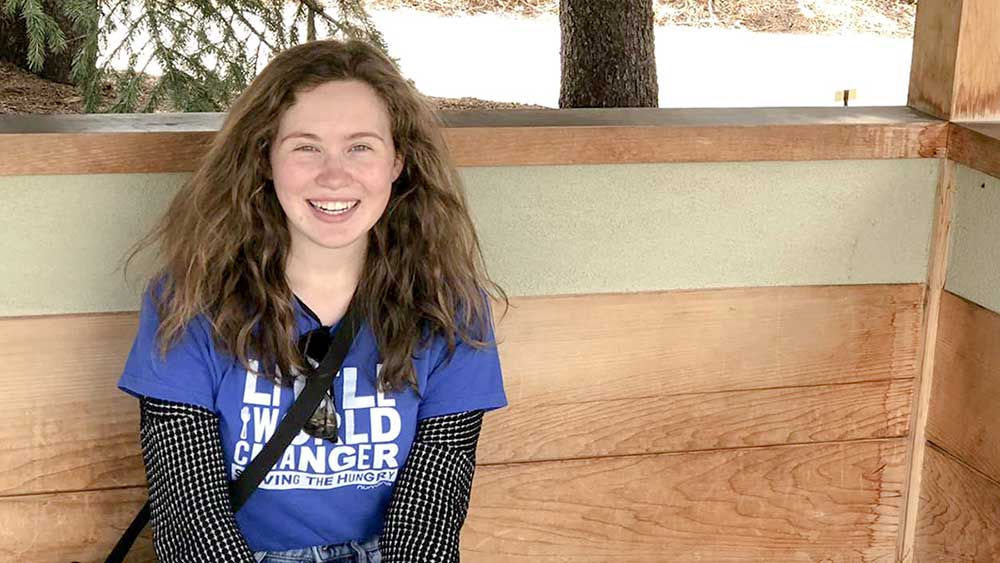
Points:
point(191, 514)
point(431, 497)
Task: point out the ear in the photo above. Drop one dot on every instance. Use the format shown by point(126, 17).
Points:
point(397, 167)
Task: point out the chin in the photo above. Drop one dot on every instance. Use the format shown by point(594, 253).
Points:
point(337, 243)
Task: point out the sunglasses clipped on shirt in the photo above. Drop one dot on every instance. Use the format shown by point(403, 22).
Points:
point(313, 346)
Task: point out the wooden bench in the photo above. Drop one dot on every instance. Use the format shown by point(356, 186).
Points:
point(745, 424)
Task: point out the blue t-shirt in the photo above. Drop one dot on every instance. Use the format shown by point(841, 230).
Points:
point(319, 493)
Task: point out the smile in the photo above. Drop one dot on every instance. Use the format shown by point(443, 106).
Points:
point(334, 207)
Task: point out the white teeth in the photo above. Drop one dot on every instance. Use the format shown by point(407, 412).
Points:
point(334, 207)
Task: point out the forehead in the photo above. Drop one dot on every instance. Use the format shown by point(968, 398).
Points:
point(338, 106)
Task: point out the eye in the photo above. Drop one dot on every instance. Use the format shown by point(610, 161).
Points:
point(306, 148)
point(360, 148)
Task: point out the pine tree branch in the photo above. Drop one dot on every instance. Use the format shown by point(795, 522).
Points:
point(125, 41)
point(235, 65)
point(115, 9)
point(228, 29)
point(300, 13)
point(312, 5)
point(259, 35)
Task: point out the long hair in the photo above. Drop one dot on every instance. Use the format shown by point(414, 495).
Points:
point(223, 242)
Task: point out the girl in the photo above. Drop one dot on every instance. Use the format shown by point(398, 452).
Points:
point(329, 179)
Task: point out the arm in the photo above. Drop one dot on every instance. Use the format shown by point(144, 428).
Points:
point(431, 497)
point(191, 514)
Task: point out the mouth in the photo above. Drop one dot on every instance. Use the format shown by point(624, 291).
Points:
point(333, 207)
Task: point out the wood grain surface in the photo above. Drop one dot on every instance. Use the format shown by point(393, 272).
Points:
point(699, 421)
point(965, 402)
point(140, 144)
point(936, 33)
point(70, 527)
point(832, 502)
point(976, 146)
point(977, 90)
point(706, 369)
point(937, 267)
point(959, 513)
point(826, 502)
point(630, 346)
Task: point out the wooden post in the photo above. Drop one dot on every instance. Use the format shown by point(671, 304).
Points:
point(936, 276)
point(955, 73)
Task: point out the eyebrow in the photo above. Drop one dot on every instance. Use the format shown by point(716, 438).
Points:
point(299, 134)
point(351, 137)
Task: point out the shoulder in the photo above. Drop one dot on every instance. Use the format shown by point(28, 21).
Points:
point(473, 330)
point(156, 300)
point(184, 369)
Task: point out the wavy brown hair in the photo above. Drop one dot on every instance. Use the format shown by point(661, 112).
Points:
point(223, 242)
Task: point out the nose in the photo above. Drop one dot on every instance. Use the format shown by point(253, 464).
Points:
point(333, 173)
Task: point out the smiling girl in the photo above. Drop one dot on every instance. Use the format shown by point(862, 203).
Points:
point(329, 182)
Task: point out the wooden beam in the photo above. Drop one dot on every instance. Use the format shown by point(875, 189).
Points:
point(976, 145)
point(828, 502)
point(704, 341)
point(937, 270)
point(955, 70)
point(959, 514)
point(79, 527)
point(34, 145)
point(965, 405)
point(696, 422)
point(821, 502)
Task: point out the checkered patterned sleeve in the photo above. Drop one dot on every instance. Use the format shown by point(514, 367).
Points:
point(431, 497)
point(191, 514)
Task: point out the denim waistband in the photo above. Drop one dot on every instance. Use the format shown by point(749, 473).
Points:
point(359, 552)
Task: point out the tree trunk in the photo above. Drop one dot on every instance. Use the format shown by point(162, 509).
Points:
point(14, 45)
point(608, 60)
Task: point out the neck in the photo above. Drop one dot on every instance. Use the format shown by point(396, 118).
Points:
point(325, 273)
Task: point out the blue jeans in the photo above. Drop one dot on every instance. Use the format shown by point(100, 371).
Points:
point(352, 552)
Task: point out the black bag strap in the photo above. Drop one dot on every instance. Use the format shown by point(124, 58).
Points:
point(300, 411)
point(294, 420)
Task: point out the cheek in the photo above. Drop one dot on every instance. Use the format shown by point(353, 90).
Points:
point(289, 183)
point(288, 196)
point(379, 182)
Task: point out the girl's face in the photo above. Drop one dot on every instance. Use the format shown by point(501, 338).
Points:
point(333, 163)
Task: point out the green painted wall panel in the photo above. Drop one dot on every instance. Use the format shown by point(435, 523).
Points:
point(545, 230)
point(974, 259)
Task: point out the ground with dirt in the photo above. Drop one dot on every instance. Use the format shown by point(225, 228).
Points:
point(24, 93)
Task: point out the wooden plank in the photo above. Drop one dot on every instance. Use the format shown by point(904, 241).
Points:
point(619, 138)
point(67, 426)
point(955, 56)
point(71, 444)
point(72, 430)
point(619, 117)
point(798, 503)
point(101, 153)
point(965, 403)
point(976, 146)
point(959, 513)
point(935, 52)
point(937, 266)
point(831, 502)
point(620, 145)
point(702, 421)
point(685, 117)
point(80, 527)
point(571, 349)
point(977, 89)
